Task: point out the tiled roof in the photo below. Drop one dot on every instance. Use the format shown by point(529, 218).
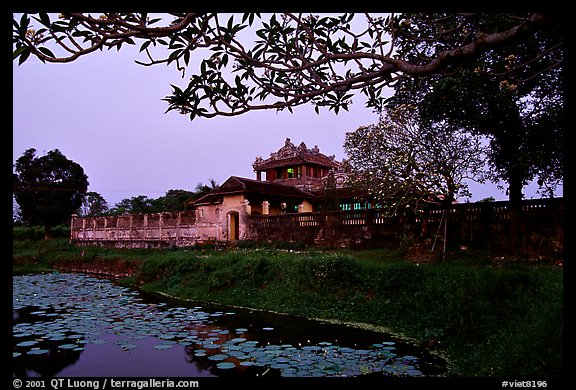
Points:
point(236, 184)
point(210, 198)
point(296, 160)
point(240, 184)
point(292, 155)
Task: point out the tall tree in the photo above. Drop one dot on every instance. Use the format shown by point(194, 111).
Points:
point(174, 200)
point(254, 62)
point(203, 189)
point(94, 205)
point(140, 204)
point(526, 138)
point(48, 189)
point(513, 96)
point(402, 164)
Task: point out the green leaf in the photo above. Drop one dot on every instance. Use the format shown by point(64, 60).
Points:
point(145, 45)
point(186, 56)
point(24, 56)
point(24, 22)
point(18, 51)
point(46, 51)
point(44, 19)
point(174, 55)
point(230, 23)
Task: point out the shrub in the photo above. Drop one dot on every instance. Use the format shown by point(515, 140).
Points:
point(36, 233)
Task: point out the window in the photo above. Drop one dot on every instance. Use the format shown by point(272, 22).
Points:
point(290, 172)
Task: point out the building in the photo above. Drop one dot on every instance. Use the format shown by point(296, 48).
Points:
point(291, 180)
point(296, 166)
point(281, 205)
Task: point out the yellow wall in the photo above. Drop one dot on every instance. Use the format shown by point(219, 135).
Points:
point(306, 207)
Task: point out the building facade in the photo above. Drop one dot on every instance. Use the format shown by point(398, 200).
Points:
point(291, 180)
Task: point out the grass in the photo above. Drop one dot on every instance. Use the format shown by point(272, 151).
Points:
point(491, 318)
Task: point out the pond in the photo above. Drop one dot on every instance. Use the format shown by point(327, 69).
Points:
point(76, 325)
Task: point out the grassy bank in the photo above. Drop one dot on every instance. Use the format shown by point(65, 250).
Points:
point(491, 319)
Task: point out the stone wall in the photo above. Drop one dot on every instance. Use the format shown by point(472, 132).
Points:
point(138, 230)
point(480, 225)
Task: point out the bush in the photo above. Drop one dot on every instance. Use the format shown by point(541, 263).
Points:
point(36, 233)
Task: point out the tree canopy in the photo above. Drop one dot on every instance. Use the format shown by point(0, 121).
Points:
point(513, 96)
point(174, 200)
point(401, 164)
point(94, 205)
point(48, 189)
point(254, 62)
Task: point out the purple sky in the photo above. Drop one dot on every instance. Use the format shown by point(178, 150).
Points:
point(105, 112)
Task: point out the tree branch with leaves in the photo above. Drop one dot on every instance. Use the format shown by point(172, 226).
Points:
point(258, 62)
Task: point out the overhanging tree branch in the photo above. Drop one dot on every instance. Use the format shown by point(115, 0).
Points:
point(283, 61)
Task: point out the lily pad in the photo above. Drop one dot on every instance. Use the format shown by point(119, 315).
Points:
point(163, 346)
point(26, 343)
point(218, 357)
point(38, 351)
point(93, 311)
point(22, 334)
point(127, 347)
point(225, 365)
point(68, 346)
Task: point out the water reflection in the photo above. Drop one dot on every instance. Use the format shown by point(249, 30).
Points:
point(77, 325)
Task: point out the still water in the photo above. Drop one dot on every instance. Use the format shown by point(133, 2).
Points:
point(75, 325)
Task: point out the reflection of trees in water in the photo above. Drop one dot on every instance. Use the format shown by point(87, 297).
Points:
point(212, 332)
point(260, 330)
point(45, 365)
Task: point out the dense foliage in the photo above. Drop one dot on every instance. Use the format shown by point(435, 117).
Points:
point(48, 189)
point(402, 164)
point(513, 96)
point(269, 61)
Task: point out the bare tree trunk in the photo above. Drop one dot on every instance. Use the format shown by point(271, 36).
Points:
point(47, 233)
point(516, 220)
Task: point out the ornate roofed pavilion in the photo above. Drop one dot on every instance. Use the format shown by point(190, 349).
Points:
point(297, 166)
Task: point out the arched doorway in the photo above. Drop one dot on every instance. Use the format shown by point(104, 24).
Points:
point(233, 226)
